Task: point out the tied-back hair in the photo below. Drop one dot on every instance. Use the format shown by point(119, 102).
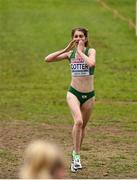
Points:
point(85, 32)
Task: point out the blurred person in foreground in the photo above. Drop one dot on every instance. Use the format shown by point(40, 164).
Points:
point(42, 160)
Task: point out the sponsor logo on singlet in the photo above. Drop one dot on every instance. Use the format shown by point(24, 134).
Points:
point(84, 96)
point(79, 67)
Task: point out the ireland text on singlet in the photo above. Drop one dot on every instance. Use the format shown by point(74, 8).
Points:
point(78, 66)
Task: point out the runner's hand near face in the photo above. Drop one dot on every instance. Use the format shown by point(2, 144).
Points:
point(61, 54)
point(80, 46)
point(70, 46)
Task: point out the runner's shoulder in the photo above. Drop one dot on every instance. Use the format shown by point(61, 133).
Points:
point(69, 53)
point(92, 50)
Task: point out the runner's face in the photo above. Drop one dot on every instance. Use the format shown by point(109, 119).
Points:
point(79, 35)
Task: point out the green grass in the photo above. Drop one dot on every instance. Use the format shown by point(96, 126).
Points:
point(35, 91)
point(31, 30)
point(4, 154)
point(129, 10)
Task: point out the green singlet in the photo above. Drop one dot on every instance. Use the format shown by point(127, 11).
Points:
point(78, 65)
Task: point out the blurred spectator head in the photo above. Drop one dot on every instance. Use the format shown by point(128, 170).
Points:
point(42, 160)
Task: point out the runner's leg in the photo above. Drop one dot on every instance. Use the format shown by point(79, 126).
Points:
point(74, 106)
point(86, 110)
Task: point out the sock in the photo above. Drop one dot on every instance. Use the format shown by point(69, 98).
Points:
point(75, 155)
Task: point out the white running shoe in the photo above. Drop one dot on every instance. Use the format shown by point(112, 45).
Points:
point(72, 167)
point(75, 163)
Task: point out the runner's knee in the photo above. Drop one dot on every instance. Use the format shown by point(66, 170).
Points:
point(79, 122)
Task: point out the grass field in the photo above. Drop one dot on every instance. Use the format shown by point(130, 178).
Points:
point(33, 94)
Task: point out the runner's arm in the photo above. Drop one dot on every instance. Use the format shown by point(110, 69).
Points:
point(56, 56)
point(60, 55)
point(91, 59)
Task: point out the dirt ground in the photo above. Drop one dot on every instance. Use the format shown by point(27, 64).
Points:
point(107, 152)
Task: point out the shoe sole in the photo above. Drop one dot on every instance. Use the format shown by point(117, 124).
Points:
point(75, 169)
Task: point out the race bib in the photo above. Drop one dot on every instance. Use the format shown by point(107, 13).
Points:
point(79, 68)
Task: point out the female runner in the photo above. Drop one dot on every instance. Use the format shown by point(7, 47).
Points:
point(80, 95)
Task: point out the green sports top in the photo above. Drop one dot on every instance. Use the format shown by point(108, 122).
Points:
point(78, 65)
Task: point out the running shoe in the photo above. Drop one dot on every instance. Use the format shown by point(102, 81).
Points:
point(75, 163)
